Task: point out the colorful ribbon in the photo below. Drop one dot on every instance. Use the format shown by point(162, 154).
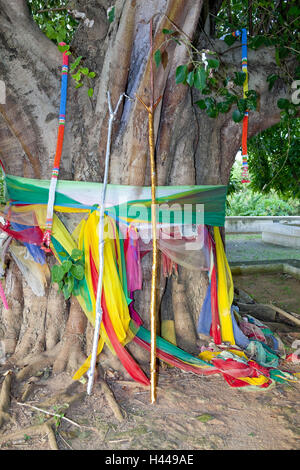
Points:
point(59, 145)
point(245, 172)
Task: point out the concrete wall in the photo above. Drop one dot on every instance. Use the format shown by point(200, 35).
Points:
point(254, 224)
point(282, 234)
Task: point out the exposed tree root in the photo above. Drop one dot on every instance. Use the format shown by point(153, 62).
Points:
point(63, 398)
point(33, 431)
point(5, 399)
point(51, 437)
point(36, 364)
point(71, 356)
point(11, 319)
point(110, 398)
point(186, 335)
point(29, 387)
point(31, 339)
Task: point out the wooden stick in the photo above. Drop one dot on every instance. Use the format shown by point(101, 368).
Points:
point(98, 312)
point(284, 313)
point(153, 323)
point(51, 414)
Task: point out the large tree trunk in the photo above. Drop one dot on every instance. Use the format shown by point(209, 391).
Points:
point(191, 148)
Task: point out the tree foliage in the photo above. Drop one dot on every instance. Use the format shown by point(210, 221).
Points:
point(250, 203)
point(54, 19)
point(273, 154)
point(274, 159)
point(269, 23)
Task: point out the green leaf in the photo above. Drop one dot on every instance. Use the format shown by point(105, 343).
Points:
point(210, 102)
point(237, 116)
point(257, 41)
point(76, 253)
point(213, 63)
point(157, 57)
point(283, 52)
point(176, 40)
point(229, 39)
point(231, 98)
point(239, 79)
point(190, 78)
point(75, 63)
point(212, 112)
point(201, 104)
point(84, 70)
point(57, 273)
point(200, 78)
point(76, 289)
point(50, 32)
point(283, 103)
point(68, 287)
point(63, 48)
point(78, 271)
point(168, 31)
point(294, 11)
point(66, 265)
point(111, 14)
point(204, 418)
point(90, 92)
point(92, 75)
point(213, 82)
point(181, 73)
point(76, 76)
point(223, 107)
point(242, 105)
point(78, 85)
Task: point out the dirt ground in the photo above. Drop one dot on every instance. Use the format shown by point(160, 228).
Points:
point(282, 289)
point(191, 412)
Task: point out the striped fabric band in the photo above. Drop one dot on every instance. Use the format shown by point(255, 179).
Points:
point(59, 144)
point(62, 119)
point(245, 173)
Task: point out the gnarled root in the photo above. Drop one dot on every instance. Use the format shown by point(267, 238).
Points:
point(37, 364)
point(71, 355)
point(5, 399)
point(33, 431)
point(11, 319)
point(186, 335)
point(109, 396)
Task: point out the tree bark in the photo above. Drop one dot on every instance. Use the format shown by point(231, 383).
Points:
point(191, 148)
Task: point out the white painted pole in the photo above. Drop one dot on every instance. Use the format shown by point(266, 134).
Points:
point(98, 313)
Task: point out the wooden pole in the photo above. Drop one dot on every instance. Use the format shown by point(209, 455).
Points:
point(153, 316)
point(98, 313)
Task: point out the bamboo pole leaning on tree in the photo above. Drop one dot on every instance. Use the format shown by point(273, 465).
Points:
point(153, 323)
